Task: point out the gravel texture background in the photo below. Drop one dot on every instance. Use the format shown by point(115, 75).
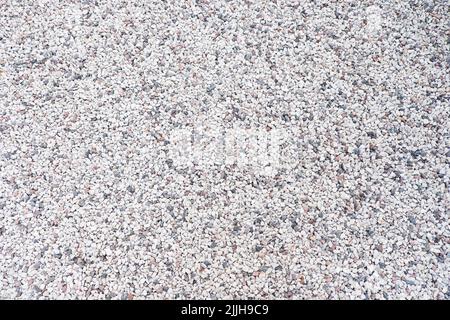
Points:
point(92, 205)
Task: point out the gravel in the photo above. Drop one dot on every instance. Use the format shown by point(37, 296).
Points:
point(127, 169)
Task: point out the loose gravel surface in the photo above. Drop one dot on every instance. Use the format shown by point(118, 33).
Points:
point(354, 200)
